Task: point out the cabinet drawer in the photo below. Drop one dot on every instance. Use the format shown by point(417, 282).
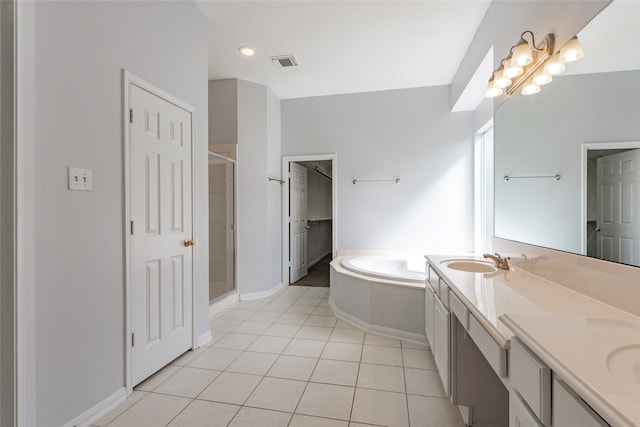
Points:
point(490, 349)
point(519, 414)
point(531, 377)
point(569, 409)
point(459, 310)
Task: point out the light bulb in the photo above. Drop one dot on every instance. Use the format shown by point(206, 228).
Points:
point(541, 78)
point(512, 70)
point(522, 54)
point(500, 80)
point(572, 51)
point(493, 91)
point(246, 51)
point(554, 65)
point(530, 88)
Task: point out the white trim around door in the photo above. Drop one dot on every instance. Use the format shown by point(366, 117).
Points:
point(285, 205)
point(129, 79)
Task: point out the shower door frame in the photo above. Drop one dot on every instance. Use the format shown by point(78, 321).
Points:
point(230, 297)
point(286, 160)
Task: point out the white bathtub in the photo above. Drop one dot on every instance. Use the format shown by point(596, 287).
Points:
point(380, 294)
point(405, 269)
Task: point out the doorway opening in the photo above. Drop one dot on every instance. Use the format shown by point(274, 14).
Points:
point(309, 219)
point(611, 188)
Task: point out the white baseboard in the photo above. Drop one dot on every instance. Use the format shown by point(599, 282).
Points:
point(223, 303)
point(98, 410)
point(376, 329)
point(261, 294)
point(204, 338)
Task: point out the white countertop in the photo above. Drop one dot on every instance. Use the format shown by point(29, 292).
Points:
point(574, 334)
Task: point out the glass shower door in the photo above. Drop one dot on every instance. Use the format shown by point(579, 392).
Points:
point(222, 240)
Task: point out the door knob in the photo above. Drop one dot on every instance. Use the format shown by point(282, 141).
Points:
point(597, 228)
point(188, 243)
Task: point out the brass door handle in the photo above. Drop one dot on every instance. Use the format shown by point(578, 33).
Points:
point(188, 243)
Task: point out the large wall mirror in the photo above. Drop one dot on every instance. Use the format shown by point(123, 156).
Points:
point(583, 127)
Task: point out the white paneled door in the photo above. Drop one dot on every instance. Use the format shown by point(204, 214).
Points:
point(161, 282)
point(298, 226)
point(618, 198)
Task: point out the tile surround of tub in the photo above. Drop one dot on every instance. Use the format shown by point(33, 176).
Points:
point(291, 375)
point(615, 284)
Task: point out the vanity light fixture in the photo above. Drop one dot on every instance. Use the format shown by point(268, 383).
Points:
point(529, 65)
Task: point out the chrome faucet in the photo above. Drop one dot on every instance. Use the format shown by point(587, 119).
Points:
point(501, 263)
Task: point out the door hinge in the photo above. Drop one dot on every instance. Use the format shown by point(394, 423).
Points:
point(131, 228)
point(133, 339)
point(130, 115)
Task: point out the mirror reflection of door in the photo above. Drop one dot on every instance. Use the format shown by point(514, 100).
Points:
point(613, 205)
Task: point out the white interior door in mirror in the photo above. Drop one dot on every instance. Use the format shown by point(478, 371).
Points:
point(618, 207)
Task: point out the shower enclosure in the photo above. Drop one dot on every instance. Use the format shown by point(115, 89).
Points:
point(222, 239)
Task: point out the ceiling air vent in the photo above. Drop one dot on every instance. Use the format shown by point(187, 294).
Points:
point(285, 61)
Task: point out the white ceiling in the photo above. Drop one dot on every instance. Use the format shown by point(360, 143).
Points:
point(342, 46)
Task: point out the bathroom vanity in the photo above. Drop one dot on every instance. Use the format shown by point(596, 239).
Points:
point(513, 348)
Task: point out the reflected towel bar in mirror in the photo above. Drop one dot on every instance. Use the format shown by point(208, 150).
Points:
point(556, 177)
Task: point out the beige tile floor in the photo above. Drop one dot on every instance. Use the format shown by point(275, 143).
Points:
point(287, 361)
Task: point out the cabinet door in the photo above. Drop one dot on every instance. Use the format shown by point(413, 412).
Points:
point(569, 409)
point(428, 314)
point(519, 414)
point(441, 338)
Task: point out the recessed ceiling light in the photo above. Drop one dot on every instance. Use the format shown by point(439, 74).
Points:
point(246, 51)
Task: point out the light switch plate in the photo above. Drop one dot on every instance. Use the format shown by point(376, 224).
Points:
point(80, 179)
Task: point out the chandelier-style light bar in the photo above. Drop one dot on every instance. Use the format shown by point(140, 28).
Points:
point(529, 67)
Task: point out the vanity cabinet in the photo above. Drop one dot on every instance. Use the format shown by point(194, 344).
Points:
point(468, 379)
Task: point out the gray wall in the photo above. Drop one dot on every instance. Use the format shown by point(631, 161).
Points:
point(74, 243)
point(274, 199)
point(223, 112)
point(259, 201)
point(544, 135)
point(409, 134)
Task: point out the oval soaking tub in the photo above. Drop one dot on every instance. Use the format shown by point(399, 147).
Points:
point(380, 294)
point(409, 269)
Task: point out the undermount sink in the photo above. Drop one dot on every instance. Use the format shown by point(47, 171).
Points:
point(470, 265)
point(624, 367)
